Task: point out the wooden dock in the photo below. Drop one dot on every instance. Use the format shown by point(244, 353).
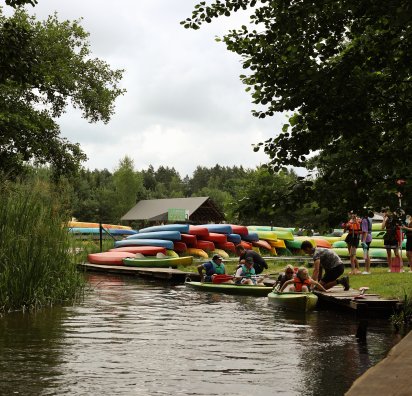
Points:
point(165, 274)
point(353, 301)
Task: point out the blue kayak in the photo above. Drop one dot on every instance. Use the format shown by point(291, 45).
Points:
point(168, 235)
point(235, 238)
point(183, 228)
point(251, 237)
point(145, 242)
point(219, 228)
point(96, 231)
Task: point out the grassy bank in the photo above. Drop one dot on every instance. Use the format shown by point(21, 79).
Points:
point(37, 267)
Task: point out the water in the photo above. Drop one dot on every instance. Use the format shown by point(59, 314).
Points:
point(133, 337)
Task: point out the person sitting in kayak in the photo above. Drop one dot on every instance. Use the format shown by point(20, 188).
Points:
point(246, 274)
point(284, 277)
point(212, 267)
point(302, 282)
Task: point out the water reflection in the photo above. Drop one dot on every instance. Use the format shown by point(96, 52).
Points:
point(135, 337)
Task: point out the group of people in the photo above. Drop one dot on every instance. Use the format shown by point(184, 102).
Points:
point(251, 264)
point(359, 231)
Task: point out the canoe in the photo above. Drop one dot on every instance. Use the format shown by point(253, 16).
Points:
point(248, 290)
point(220, 252)
point(269, 228)
point(154, 262)
point(294, 301)
point(219, 228)
point(262, 244)
point(239, 229)
point(108, 258)
point(205, 245)
point(198, 230)
point(167, 227)
point(171, 253)
point(373, 253)
point(295, 244)
point(197, 252)
point(235, 238)
point(179, 246)
point(96, 231)
point(252, 236)
point(226, 246)
point(322, 243)
point(144, 242)
point(376, 243)
point(267, 235)
point(146, 250)
point(280, 244)
point(189, 240)
point(167, 235)
point(214, 237)
point(82, 224)
point(246, 245)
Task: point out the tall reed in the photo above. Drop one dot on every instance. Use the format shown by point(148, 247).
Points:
point(37, 266)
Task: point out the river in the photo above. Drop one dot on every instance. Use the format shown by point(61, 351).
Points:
point(134, 337)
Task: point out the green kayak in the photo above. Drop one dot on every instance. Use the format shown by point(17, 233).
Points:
point(294, 301)
point(248, 290)
point(156, 262)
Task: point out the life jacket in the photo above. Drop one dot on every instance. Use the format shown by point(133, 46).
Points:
point(219, 269)
point(353, 228)
point(299, 284)
point(247, 272)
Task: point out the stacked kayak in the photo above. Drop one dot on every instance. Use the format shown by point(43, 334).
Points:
point(293, 301)
point(247, 290)
point(158, 262)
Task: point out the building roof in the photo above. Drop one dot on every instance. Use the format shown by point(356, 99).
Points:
point(201, 209)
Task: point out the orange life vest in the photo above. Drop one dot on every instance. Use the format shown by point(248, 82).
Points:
point(299, 284)
point(353, 227)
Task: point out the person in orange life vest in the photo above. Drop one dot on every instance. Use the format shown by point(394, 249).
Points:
point(353, 227)
point(302, 282)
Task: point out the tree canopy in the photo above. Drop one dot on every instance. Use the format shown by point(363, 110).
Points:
point(342, 70)
point(44, 66)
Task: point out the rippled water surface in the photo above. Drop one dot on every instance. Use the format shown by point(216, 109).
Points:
point(133, 337)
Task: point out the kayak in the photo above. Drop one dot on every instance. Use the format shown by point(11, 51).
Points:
point(294, 301)
point(184, 228)
point(218, 228)
point(108, 258)
point(146, 250)
point(155, 262)
point(197, 252)
point(145, 242)
point(82, 224)
point(96, 231)
point(166, 235)
point(248, 290)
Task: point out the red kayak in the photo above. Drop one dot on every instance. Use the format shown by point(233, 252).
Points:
point(246, 245)
point(262, 244)
point(198, 230)
point(189, 240)
point(239, 229)
point(205, 245)
point(214, 237)
point(109, 258)
point(226, 246)
point(179, 247)
point(146, 250)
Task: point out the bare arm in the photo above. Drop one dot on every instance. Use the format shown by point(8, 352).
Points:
point(318, 285)
point(287, 283)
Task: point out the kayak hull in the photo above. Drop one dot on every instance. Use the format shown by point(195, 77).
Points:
point(303, 302)
point(153, 262)
point(245, 290)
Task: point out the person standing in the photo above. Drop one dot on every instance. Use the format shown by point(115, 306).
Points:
point(330, 262)
point(390, 224)
point(408, 234)
point(353, 227)
point(258, 260)
point(366, 239)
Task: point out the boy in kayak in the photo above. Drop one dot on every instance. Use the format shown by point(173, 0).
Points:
point(328, 260)
point(258, 260)
point(212, 267)
point(302, 282)
point(246, 274)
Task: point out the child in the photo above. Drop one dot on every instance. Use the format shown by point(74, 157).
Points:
point(301, 282)
point(284, 277)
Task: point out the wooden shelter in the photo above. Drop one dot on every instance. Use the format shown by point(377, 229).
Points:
point(194, 210)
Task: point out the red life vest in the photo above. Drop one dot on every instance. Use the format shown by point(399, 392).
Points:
point(353, 227)
point(299, 284)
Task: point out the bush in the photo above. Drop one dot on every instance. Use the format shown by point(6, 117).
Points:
point(37, 267)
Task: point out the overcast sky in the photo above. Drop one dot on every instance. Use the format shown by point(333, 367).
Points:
point(185, 104)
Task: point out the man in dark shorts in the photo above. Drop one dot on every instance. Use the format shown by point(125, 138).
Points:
point(328, 260)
